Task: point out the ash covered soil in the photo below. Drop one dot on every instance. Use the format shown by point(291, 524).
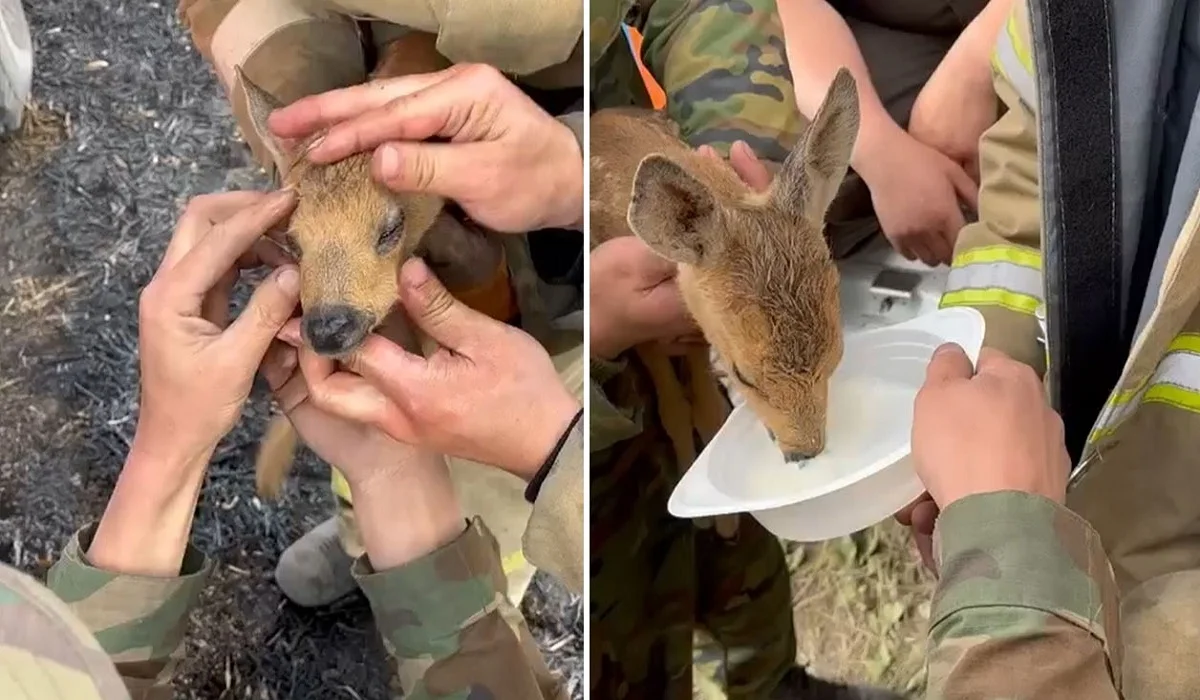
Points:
point(127, 123)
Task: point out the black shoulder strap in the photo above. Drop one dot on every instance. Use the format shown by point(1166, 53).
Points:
point(1080, 207)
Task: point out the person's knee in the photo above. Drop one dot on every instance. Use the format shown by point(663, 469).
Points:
point(1160, 628)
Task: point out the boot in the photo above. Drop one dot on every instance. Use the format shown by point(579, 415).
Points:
point(315, 570)
point(16, 64)
point(798, 685)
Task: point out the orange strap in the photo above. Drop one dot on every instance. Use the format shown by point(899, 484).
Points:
point(494, 297)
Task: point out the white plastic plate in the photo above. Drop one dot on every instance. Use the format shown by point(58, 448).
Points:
point(863, 476)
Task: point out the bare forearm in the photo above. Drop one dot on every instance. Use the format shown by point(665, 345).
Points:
point(148, 520)
point(408, 512)
point(974, 46)
point(819, 42)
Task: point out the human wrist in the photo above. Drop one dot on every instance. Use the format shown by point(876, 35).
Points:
point(147, 522)
point(431, 517)
point(877, 132)
point(568, 185)
point(543, 444)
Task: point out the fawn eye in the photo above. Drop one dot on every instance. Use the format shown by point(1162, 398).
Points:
point(390, 238)
point(741, 378)
point(291, 246)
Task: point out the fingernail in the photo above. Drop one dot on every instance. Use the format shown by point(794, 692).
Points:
point(945, 348)
point(389, 161)
point(289, 361)
point(289, 280)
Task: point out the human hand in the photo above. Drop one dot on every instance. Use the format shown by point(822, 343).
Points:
point(920, 516)
point(196, 372)
point(196, 367)
point(745, 163)
point(634, 298)
point(510, 166)
point(953, 110)
point(360, 451)
point(986, 430)
point(916, 192)
point(489, 393)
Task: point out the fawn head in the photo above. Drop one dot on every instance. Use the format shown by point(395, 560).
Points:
point(348, 233)
point(756, 272)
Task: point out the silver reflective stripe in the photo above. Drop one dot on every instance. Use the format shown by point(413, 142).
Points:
point(1020, 279)
point(1176, 381)
point(1006, 59)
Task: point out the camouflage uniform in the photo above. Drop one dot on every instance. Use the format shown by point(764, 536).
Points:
point(428, 611)
point(657, 580)
point(295, 48)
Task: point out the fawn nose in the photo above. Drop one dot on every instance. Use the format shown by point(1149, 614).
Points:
point(334, 330)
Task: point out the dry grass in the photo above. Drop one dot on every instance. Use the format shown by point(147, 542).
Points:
point(861, 605)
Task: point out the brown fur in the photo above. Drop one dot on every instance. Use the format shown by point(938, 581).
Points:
point(335, 231)
point(755, 270)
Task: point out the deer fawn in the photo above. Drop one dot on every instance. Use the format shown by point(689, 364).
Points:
point(755, 270)
point(350, 235)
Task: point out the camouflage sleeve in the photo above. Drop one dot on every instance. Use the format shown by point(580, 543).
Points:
point(723, 68)
point(1025, 584)
point(138, 620)
point(447, 622)
point(607, 423)
point(553, 539)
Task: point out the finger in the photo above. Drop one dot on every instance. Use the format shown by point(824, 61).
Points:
point(708, 151)
point(268, 310)
point(748, 167)
point(443, 109)
point(949, 363)
point(964, 187)
point(290, 333)
point(220, 249)
point(215, 307)
point(924, 517)
point(904, 515)
point(925, 550)
point(341, 393)
point(389, 367)
point(434, 168)
point(434, 310)
point(309, 115)
point(199, 217)
point(265, 251)
point(992, 360)
point(279, 364)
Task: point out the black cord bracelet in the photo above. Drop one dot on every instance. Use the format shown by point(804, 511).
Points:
point(535, 484)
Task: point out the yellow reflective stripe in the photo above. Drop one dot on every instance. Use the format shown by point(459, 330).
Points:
point(1007, 276)
point(513, 562)
point(1013, 28)
point(1013, 60)
point(1012, 301)
point(1017, 255)
point(1175, 382)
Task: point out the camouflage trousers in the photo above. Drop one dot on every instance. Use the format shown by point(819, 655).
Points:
point(659, 584)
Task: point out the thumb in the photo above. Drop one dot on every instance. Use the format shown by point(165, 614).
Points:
point(266, 313)
point(433, 168)
point(435, 310)
point(948, 364)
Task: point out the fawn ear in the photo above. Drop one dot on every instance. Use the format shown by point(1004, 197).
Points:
point(672, 211)
point(813, 172)
point(260, 104)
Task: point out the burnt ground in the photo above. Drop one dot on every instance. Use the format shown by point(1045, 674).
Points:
point(127, 124)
